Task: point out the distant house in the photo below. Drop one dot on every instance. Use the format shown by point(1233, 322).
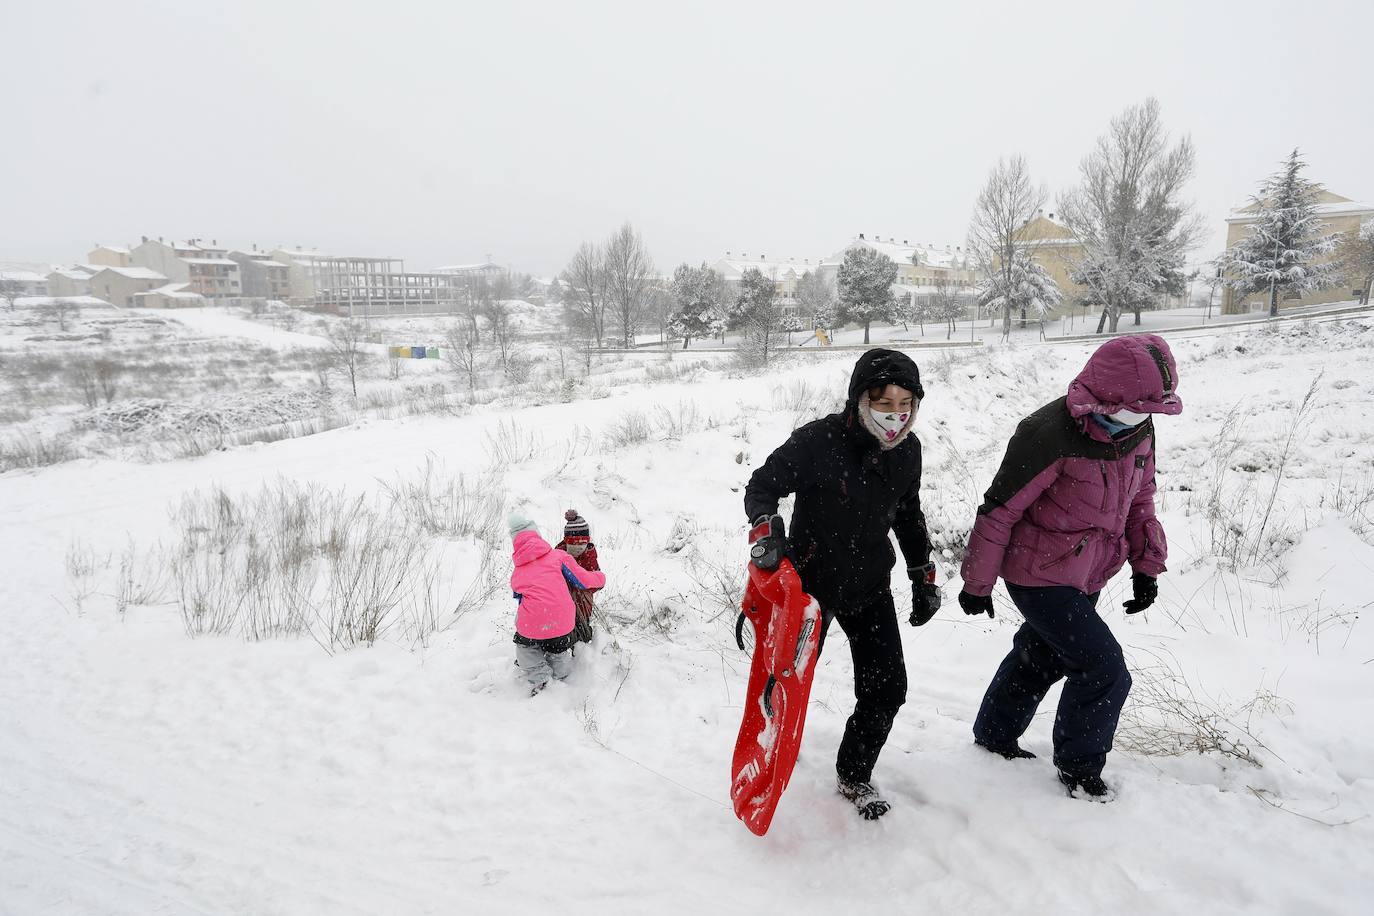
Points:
point(920, 267)
point(263, 276)
point(1340, 214)
point(109, 256)
point(207, 268)
point(30, 283)
point(785, 273)
point(119, 285)
point(172, 295)
point(69, 281)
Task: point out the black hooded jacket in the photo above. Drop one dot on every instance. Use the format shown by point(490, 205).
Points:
point(850, 493)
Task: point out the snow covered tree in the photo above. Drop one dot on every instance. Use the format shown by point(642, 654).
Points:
point(585, 294)
point(946, 305)
point(759, 315)
point(1285, 248)
point(816, 297)
point(10, 290)
point(462, 355)
point(629, 276)
point(1026, 288)
point(1128, 215)
point(1008, 201)
point(865, 287)
point(1356, 257)
point(555, 294)
point(696, 295)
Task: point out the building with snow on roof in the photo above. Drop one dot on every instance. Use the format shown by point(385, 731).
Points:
point(119, 285)
point(27, 282)
point(69, 281)
point(109, 256)
point(264, 277)
point(171, 295)
point(1339, 214)
point(206, 268)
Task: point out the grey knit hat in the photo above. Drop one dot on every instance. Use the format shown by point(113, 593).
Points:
point(517, 522)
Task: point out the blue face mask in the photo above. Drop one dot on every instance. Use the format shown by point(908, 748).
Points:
point(1112, 427)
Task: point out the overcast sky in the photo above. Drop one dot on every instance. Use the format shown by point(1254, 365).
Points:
point(444, 132)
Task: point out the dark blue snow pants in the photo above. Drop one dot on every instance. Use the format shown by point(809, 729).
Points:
point(1063, 637)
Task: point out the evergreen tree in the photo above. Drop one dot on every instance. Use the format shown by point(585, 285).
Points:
point(865, 287)
point(759, 315)
point(1285, 248)
point(695, 298)
point(1025, 288)
point(816, 295)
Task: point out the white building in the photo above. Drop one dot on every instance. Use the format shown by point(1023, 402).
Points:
point(207, 268)
point(119, 285)
point(69, 281)
point(30, 283)
point(172, 295)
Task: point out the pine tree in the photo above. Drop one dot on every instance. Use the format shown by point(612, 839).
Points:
point(1025, 288)
point(695, 295)
point(865, 287)
point(1285, 248)
point(759, 315)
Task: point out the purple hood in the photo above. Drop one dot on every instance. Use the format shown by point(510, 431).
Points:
point(1137, 373)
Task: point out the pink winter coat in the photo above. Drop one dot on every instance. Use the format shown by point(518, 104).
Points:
point(540, 583)
point(1070, 505)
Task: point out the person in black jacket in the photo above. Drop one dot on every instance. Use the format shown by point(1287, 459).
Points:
point(857, 475)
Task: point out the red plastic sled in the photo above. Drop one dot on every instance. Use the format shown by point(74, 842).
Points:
point(787, 634)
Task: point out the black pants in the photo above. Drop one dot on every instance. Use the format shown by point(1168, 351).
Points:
point(875, 643)
point(1063, 637)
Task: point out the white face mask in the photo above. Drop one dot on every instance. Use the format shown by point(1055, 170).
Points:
point(1128, 417)
point(891, 422)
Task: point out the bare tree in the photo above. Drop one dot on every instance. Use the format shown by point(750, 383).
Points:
point(107, 374)
point(10, 290)
point(1128, 215)
point(946, 305)
point(1009, 200)
point(463, 355)
point(347, 346)
point(629, 278)
point(501, 327)
point(584, 291)
point(66, 310)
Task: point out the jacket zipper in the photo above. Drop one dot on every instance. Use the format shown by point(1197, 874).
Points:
point(1105, 491)
point(1076, 551)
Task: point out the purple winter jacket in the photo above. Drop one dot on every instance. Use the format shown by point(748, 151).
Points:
point(1070, 504)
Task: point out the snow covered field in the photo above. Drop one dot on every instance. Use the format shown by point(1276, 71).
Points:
point(142, 771)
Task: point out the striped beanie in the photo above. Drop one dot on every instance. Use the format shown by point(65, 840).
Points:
point(576, 530)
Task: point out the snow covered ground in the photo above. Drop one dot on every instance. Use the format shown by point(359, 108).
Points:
point(142, 771)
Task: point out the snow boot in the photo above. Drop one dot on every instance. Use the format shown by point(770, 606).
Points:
point(866, 797)
point(1011, 751)
point(1091, 788)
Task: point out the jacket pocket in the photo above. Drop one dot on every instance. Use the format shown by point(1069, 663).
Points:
point(1075, 551)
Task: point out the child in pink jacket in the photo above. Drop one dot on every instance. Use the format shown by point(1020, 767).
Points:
point(545, 616)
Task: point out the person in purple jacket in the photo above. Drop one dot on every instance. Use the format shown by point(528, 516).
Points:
point(1071, 504)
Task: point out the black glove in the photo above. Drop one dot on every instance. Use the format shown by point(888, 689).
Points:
point(925, 601)
point(975, 604)
point(925, 594)
point(1146, 589)
point(767, 542)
